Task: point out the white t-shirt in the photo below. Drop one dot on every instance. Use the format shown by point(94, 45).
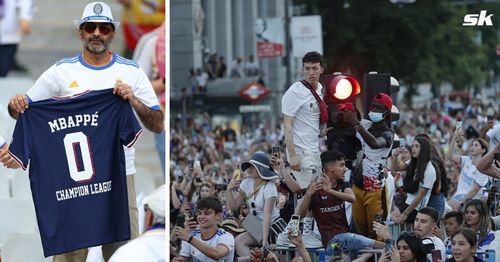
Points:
point(427, 183)
point(494, 135)
point(268, 190)
point(374, 158)
point(71, 76)
point(2, 142)
point(220, 237)
point(468, 176)
point(148, 247)
point(299, 102)
point(438, 244)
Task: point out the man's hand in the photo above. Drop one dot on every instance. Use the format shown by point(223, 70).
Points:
point(182, 233)
point(324, 131)
point(190, 224)
point(123, 90)
point(350, 117)
point(314, 187)
point(296, 240)
point(271, 257)
point(7, 160)
point(294, 163)
point(326, 184)
point(18, 104)
point(25, 26)
point(381, 230)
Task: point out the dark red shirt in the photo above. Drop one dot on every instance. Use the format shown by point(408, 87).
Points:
point(329, 213)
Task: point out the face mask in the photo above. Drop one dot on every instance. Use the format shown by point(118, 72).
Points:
point(375, 116)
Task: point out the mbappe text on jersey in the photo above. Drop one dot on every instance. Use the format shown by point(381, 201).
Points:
point(73, 121)
point(85, 190)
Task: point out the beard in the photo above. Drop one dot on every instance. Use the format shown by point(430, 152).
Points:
point(97, 49)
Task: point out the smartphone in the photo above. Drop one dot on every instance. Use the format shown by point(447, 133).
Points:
point(179, 220)
point(378, 218)
point(276, 151)
point(458, 125)
point(294, 225)
point(388, 244)
point(436, 255)
point(237, 175)
point(316, 176)
point(194, 217)
point(497, 156)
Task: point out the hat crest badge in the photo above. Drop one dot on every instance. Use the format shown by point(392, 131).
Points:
point(98, 9)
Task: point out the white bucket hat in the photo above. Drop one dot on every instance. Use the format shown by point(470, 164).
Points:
point(97, 12)
point(156, 201)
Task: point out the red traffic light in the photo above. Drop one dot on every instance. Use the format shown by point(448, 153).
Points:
point(341, 88)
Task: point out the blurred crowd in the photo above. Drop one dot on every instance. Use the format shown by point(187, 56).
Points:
point(206, 157)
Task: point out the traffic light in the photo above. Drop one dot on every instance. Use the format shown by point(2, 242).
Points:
point(339, 97)
point(375, 83)
point(381, 83)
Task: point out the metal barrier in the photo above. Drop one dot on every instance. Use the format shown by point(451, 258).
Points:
point(489, 254)
point(316, 254)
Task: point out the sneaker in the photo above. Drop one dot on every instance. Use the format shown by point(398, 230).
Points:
point(283, 240)
point(312, 240)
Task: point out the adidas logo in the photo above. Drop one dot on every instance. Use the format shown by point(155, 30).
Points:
point(73, 84)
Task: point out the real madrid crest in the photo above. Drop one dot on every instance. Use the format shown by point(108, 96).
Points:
point(98, 9)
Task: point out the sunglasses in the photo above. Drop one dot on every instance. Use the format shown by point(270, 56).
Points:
point(254, 212)
point(104, 28)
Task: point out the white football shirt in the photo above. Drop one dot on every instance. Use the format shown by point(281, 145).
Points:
point(71, 76)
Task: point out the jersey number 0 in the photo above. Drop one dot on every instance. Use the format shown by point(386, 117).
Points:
point(79, 171)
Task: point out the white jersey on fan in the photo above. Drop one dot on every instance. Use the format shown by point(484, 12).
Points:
point(70, 76)
point(299, 102)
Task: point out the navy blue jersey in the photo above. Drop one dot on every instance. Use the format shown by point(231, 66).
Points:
point(77, 167)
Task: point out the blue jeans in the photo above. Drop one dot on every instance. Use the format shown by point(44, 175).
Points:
point(437, 202)
point(160, 149)
point(350, 242)
point(7, 53)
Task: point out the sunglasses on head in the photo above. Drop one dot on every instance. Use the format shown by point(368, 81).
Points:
point(104, 28)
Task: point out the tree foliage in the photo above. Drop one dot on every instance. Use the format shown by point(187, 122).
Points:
point(420, 42)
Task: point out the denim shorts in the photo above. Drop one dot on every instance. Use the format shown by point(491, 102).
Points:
point(350, 242)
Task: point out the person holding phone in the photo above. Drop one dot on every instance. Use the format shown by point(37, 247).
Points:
point(369, 181)
point(258, 192)
point(408, 249)
point(471, 180)
point(425, 225)
point(208, 242)
point(326, 199)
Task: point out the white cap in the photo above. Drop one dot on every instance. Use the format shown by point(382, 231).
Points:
point(97, 12)
point(156, 201)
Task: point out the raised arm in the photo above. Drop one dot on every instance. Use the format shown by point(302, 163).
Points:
point(455, 158)
point(486, 164)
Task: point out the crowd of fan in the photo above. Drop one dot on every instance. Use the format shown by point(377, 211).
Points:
point(205, 161)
